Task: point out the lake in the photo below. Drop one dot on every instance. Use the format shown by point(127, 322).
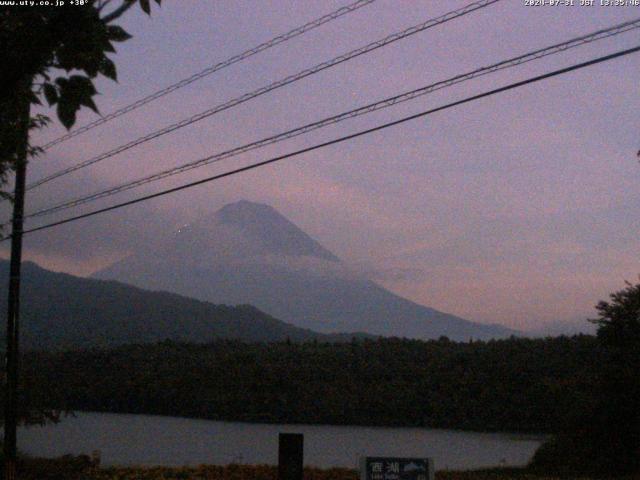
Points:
point(171, 441)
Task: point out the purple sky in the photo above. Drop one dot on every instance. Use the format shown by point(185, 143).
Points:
point(519, 209)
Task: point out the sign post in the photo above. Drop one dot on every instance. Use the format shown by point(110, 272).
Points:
point(290, 456)
point(396, 468)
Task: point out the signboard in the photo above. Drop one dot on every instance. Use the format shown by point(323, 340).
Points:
point(396, 468)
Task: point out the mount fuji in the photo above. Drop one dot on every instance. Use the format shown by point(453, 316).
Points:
point(248, 253)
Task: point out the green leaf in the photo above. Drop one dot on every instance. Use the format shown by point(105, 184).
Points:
point(88, 102)
point(92, 67)
point(39, 121)
point(108, 69)
point(81, 89)
point(67, 112)
point(74, 92)
point(81, 84)
point(117, 34)
point(51, 94)
point(33, 98)
point(107, 46)
point(144, 4)
point(62, 82)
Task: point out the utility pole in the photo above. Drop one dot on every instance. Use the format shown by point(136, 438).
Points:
point(22, 106)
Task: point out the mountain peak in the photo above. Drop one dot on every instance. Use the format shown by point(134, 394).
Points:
point(244, 212)
point(246, 205)
point(265, 230)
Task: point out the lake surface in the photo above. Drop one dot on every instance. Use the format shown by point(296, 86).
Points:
point(171, 441)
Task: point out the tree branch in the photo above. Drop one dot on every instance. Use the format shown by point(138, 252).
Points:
point(102, 4)
point(126, 5)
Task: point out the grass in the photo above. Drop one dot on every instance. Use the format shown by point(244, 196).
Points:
point(83, 468)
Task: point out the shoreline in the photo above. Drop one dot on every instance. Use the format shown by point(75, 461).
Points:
point(515, 435)
point(83, 467)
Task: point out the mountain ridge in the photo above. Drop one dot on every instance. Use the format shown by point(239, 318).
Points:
point(60, 311)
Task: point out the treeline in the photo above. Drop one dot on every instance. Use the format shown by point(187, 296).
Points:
point(524, 385)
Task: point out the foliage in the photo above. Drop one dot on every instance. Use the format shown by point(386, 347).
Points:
point(509, 385)
point(38, 43)
point(619, 320)
point(605, 439)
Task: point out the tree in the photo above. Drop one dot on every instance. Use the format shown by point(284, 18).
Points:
point(619, 320)
point(605, 438)
point(34, 42)
point(618, 415)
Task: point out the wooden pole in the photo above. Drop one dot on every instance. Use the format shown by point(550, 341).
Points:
point(13, 306)
point(290, 456)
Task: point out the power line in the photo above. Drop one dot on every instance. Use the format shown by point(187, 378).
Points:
point(272, 86)
point(213, 68)
point(379, 105)
point(505, 88)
